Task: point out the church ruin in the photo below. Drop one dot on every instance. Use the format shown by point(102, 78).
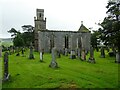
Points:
point(47, 39)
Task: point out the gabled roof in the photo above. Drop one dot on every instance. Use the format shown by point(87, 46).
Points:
point(83, 28)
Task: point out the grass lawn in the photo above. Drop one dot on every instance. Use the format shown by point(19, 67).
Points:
point(75, 73)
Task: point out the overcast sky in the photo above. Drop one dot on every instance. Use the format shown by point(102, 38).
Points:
point(60, 14)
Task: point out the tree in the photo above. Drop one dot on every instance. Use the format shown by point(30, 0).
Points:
point(17, 40)
point(110, 31)
point(95, 39)
point(28, 35)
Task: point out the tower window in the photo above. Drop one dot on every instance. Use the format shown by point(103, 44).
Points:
point(40, 14)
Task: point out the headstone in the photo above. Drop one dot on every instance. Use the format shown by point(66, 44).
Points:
point(66, 52)
point(31, 56)
point(63, 51)
point(91, 58)
point(83, 55)
point(117, 57)
point(79, 53)
point(6, 73)
point(72, 54)
point(41, 56)
point(53, 63)
point(102, 52)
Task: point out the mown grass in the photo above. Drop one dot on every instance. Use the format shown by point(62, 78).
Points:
point(74, 73)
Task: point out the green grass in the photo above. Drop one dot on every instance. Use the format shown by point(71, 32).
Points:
point(27, 73)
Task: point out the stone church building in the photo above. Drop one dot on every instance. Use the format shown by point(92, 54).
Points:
point(47, 39)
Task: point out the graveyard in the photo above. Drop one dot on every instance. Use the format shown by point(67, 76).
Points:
point(70, 73)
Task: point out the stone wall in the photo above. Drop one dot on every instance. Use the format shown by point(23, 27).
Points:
point(47, 39)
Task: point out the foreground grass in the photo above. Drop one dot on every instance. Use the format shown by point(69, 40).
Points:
point(27, 73)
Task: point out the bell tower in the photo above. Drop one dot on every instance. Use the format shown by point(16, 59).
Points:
point(40, 24)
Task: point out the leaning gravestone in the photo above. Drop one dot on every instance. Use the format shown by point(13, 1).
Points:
point(41, 56)
point(83, 55)
point(31, 56)
point(6, 73)
point(53, 63)
point(91, 58)
point(102, 52)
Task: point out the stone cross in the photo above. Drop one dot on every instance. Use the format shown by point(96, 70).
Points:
point(53, 63)
point(102, 52)
point(31, 56)
point(6, 73)
point(83, 55)
point(41, 56)
point(91, 58)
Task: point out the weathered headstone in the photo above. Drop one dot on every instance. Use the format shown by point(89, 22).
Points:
point(6, 73)
point(41, 56)
point(117, 57)
point(31, 56)
point(66, 52)
point(53, 63)
point(102, 52)
point(83, 55)
point(91, 58)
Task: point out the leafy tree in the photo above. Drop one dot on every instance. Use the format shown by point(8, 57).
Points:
point(110, 31)
point(18, 41)
point(28, 35)
point(95, 39)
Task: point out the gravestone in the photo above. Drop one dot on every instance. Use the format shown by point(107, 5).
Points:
point(6, 73)
point(31, 56)
point(0, 51)
point(91, 58)
point(102, 52)
point(66, 52)
point(79, 53)
point(41, 56)
point(83, 55)
point(53, 63)
point(117, 57)
point(72, 54)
